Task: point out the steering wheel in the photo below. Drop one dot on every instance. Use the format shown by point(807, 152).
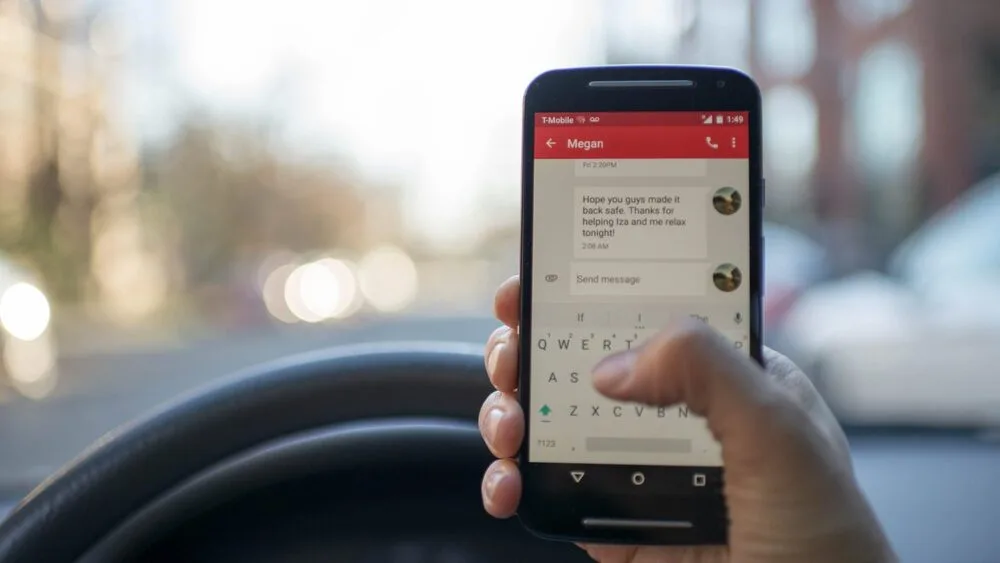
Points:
point(353, 454)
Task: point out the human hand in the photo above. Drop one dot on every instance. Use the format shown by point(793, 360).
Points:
point(790, 487)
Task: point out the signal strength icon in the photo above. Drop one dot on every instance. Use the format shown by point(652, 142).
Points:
point(581, 119)
point(706, 119)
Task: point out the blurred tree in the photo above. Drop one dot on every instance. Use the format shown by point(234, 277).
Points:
point(62, 260)
point(92, 215)
point(54, 232)
point(231, 194)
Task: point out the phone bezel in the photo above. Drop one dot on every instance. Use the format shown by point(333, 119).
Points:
point(557, 512)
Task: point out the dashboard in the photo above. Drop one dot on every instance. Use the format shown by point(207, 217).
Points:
point(937, 495)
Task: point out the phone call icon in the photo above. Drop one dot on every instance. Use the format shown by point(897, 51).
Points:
point(710, 143)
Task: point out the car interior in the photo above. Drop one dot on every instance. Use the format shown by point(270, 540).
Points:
point(352, 455)
point(372, 453)
point(249, 250)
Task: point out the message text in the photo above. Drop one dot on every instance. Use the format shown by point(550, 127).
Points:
point(641, 223)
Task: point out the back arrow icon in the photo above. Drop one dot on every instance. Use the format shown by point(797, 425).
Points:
point(576, 475)
point(550, 143)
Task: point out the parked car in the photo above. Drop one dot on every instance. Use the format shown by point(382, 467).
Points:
point(27, 345)
point(793, 263)
point(921, 342)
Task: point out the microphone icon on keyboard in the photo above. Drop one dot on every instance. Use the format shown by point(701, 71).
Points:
point(738, 318)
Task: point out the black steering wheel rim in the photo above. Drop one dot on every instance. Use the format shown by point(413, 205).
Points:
point(406, 463)
point(132, 466)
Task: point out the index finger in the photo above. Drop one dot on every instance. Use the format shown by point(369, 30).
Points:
point(507, 304)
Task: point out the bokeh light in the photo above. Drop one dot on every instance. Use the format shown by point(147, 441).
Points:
point(31, 366)
point(273, 293)
point(24, 311)
point(388, 279)
point(322, 290)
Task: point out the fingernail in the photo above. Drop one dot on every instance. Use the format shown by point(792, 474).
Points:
point(614, 369)
point(491, 426)
point(491, 361)
point(490, 484)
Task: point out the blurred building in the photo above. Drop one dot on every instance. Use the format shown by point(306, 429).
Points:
point(712, 32)
point(878, 112)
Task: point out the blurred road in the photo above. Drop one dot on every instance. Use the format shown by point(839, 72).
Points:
point(100, 390)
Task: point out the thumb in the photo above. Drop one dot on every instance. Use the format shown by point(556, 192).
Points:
point(692, 364)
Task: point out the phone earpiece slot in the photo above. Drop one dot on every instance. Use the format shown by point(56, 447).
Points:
point(642, 84)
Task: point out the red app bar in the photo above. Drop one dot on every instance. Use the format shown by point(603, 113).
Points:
point(642, 118)
point(641, 142)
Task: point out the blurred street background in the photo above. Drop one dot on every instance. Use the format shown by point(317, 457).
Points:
point(189, 187)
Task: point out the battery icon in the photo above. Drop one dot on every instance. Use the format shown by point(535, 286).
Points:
point(718, 120)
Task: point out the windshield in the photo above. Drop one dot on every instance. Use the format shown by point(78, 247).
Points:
point(191, 187)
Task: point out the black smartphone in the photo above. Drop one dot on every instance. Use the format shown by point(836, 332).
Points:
point(641, 204)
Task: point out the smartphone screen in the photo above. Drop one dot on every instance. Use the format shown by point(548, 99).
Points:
point(641, 203)
point(639, 219)
point(641, 206)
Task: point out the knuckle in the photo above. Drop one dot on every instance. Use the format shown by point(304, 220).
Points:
point(498, 335)
point(492, 400)
point(688, 339)
point(778, 365)
point(693, 336)
point(795, 384)
point(512, 341)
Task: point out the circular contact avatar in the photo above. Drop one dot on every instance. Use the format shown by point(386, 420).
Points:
point(727, 278)
point(727, 200)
